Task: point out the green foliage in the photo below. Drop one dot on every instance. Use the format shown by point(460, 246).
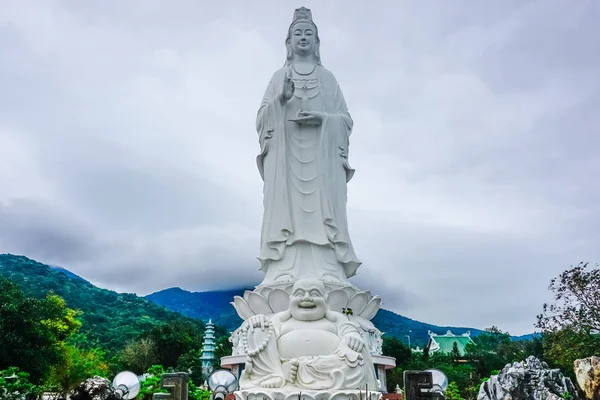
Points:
point(223, 348)
point(493, 349)
point(110, 318)
point(191, 363)
point(14, 384)
point(139, 355)
point(175, 339)
point(576, 301)
point(570, 324)
point(151, 383)
point(562, 347)
point(77, 365)
point(393, 347)
point(455, 352)
point(32, 330)
point(453, 393)
point(197, 393)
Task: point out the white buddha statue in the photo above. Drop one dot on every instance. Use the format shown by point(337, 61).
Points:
point(304, 128)
point(307, 346)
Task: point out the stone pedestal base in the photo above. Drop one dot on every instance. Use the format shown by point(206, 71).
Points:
point(295, 394)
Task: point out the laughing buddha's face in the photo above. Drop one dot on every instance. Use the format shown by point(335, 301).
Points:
point(307, 302)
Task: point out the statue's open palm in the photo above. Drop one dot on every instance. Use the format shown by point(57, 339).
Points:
point(288, 88)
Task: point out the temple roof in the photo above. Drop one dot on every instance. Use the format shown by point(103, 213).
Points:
point(445, 343)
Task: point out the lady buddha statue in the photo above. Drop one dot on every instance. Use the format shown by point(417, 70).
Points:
point(304, 126)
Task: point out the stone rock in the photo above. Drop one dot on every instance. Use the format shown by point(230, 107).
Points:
point(528, 380)
point(587, 372)
point(96, 388)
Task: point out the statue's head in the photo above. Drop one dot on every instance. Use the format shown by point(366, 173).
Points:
point(303, 37)
point(307, 302)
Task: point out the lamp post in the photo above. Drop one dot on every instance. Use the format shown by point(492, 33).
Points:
point(408, 336)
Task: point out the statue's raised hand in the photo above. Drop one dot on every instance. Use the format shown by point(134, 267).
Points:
point(354, 341)
point(288, 88)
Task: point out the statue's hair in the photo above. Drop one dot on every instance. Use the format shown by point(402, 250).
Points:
point(289, 58)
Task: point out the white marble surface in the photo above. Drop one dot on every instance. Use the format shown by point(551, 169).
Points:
point(304, 129)
point(307, 346)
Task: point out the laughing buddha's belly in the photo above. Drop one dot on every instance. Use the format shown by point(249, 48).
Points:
point(307, 342)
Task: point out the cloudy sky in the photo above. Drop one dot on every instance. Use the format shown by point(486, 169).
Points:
point(127, 144)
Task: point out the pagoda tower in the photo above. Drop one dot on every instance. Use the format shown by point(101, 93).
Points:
point(208, 349)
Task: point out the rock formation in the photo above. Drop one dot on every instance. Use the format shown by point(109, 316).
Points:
point(587, 372)
point(96, 388)
point(528, 380)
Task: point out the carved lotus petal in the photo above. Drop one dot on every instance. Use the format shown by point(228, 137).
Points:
point(358, 302)
point(371, 308)
point(363, 322)
point(257, 303)
point(350, 291)
point(279, 300)
point(337, 300)
point(264, 292)
point(242, 308)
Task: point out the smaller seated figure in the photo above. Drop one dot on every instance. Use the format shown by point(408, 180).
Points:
point(307, 346)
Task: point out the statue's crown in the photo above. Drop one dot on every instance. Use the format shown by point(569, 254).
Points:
point(302, 13)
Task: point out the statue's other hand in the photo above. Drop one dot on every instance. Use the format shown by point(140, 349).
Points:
point(310, 117)
point(354, 341)
point(288, 88)
point(256, 321)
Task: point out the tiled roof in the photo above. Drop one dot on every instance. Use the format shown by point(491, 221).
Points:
point(445, 343)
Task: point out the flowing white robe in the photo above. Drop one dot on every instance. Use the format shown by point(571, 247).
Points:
point(305, 170)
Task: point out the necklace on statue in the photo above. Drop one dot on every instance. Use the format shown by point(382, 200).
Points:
point(303, 68)
point(251, 353)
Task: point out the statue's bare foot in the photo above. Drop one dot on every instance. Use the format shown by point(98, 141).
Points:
point(274, 382)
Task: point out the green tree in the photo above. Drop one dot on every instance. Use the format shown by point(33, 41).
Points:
point(197, 393)
point(173, 340)
point(32, 330)
point(453, 393)
point(15, 383)
point(151, 383)
point(191, 363)
point(576, 301)
point(393, 347)
point(562, 347)
point(139, 355)
point(492, 350)
point(455, 352)
point(76, 366)
point(570, 325)
point(223, 348)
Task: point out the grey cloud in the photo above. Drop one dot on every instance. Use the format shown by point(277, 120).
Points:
point(34, 227)
point(127, 144)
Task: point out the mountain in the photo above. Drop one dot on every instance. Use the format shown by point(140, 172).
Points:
point(66, 272)
point(107, 317)
point(215, 305)
point(201, 305)
point(113, 318)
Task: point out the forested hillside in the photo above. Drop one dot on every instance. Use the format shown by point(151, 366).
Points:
point(107, 317)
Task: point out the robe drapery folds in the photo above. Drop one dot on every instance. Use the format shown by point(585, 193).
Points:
point(305, 170)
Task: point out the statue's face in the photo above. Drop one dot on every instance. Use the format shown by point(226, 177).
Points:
point(307, 302)
point(303, 38)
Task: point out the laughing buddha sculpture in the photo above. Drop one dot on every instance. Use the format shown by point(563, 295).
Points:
point(307, 346)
